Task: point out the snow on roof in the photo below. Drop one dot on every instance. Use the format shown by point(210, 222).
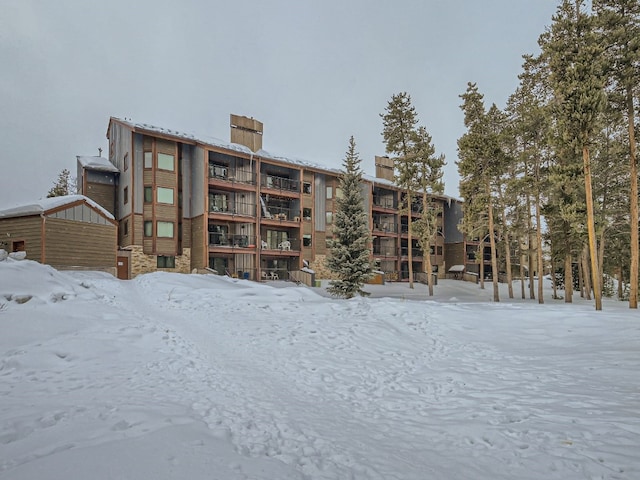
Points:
point(215, 142)
point(456, 268)
point(203, 139)
point(297, 161)
point(96, 163)
point(46, 204)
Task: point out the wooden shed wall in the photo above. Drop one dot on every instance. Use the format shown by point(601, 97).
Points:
point(80, 244)
point(28, 229)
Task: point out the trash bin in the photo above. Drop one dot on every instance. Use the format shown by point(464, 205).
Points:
point(245, 275)
point(434, 278)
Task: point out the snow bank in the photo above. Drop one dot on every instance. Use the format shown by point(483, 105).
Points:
point(172, 376)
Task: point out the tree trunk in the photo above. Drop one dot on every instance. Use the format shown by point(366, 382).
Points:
point(585, 273)
point(507, 250)
point(481, 267)
point(494, 253)
point(620, 291)
point(539, 239)
point(633, 195)
point(568, 279)
point(581, 270)
point(593, 250)
point(410, 241)
point(532, 294)
point(427, 254)
point(522, 289)
point(554, 282)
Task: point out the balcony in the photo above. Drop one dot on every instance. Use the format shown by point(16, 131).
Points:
point(277, 246)
point(232, 175)
point(279, 183)
point(384, 202)
point(216, 205)
point(415, 252)
point(380, 251)
point(385, 227)
point(231, 240)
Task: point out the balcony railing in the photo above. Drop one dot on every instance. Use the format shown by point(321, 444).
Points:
point(279, 183)
point(234, 208)
point(232, 240)
point(384, 251)
point(415, 252)
point(382, 226)
point(290, 244)
point(229, 174)
point(281, 213)
point(383, 202)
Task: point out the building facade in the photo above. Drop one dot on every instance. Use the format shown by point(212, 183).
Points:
point(186, 203)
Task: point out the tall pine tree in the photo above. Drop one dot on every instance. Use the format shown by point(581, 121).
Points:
point(349, 253)
point(574, 55)
point(399, 133)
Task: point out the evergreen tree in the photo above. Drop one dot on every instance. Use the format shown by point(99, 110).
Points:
point(399, 133)
point(480, 167)
point(573, 53)
point(429, 181)
point(349, 253)
point(63, 186)
point(619, 22)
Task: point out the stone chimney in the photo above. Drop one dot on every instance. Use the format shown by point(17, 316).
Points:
point(246, 131)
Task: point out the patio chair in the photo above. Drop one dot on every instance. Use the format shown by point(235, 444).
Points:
point(264, 245)
point(286, 245)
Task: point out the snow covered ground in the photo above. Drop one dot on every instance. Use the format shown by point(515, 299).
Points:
point(172, 376)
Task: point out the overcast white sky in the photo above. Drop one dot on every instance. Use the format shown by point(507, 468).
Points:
point(314, 72)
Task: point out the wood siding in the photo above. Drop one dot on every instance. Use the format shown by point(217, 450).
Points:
point(186, 233)
point(199, 248)
point(126, 240)
point(103, 195)
point(80, 244)
point(28, 229)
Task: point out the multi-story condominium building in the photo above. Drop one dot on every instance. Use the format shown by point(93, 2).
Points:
point(184, 202)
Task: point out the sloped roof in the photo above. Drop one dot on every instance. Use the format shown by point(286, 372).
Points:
point(215, 142)
point(45, 205)
point(97, 163)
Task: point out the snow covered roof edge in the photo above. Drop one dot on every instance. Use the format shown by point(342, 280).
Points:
point(46, 204)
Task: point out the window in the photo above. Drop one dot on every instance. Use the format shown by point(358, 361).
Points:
point(338, 193)
point(148, 229)
point(306, 214)
point(329, 192)
point(165, 229)
point(165, 162)
point(329, 217)
point(166, 261)
point(164, 195)
point(148, 194)
point(126, 228)
point(126, 161)
point(126, 195)
point(306, 240)
point(306, 187)
point(148, 160)
point(17, 246)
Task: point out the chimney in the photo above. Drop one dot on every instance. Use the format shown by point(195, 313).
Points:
point(246, 131)
point(384, 168)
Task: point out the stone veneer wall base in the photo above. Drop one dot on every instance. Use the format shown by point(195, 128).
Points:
point(143, 263)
